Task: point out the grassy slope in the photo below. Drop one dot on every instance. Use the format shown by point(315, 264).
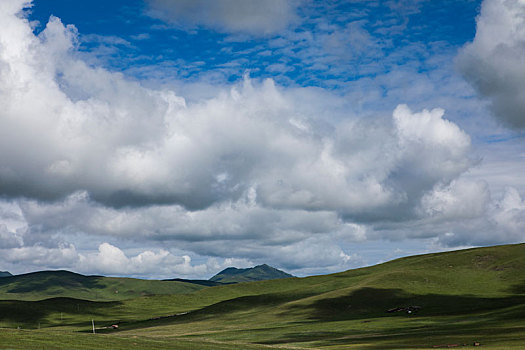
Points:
point(47, 339)
point(465, 296)
point(47, 284)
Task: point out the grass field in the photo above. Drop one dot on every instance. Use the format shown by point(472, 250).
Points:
point(47, 284)
point(455, 298)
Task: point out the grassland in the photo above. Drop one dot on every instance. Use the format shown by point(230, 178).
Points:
point(461, 297)
point(49, 284)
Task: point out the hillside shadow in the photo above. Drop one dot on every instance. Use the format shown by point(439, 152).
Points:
point(372, 302)
point(32, 312)
point(518, 288)
point(223, 308)
point(368, 304)
point(245, 303)
point(437, 336)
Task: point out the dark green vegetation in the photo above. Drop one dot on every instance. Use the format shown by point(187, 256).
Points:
point(47, 284)
point(5, 274)
point(257, 273)
point(475, 295)
point(206, 283)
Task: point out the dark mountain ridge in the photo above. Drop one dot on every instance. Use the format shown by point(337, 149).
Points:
point(46, 284)
point(257, 273)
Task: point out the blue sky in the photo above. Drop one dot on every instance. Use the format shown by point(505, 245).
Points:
point(312, 136)
point(330, 43)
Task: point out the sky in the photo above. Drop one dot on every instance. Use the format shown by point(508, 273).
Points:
point(175, 138)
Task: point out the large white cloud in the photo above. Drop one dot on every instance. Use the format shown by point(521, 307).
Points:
point(502, 221)
point(493, 62)
point(461, 214)
point(255, 17)
point(68, 127)
point(461, 199)
point(256, 172)
point(108, 260)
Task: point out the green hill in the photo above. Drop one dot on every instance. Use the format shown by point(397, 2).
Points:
point(460, 297)
point(51, 284)
point(5, 274)
point(257, 273)
point(419, 302)
point(206, 283)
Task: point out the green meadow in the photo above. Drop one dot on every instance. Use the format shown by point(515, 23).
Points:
point(451, 299)
point(48, 284)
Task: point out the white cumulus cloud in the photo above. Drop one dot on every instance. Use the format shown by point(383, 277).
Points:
point(253, 172)
point(493, 62)
point(87, 129)
point(112, 260)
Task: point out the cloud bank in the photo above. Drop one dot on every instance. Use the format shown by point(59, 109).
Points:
point(87, 129)
point(139, 177)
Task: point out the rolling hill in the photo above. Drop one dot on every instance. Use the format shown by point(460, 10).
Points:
point(5, 274)
point(49, 284)
point(426, 301)
point(257, 273)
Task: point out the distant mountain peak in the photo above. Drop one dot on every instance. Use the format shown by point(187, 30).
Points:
point(256, 273)
point(5, 274)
